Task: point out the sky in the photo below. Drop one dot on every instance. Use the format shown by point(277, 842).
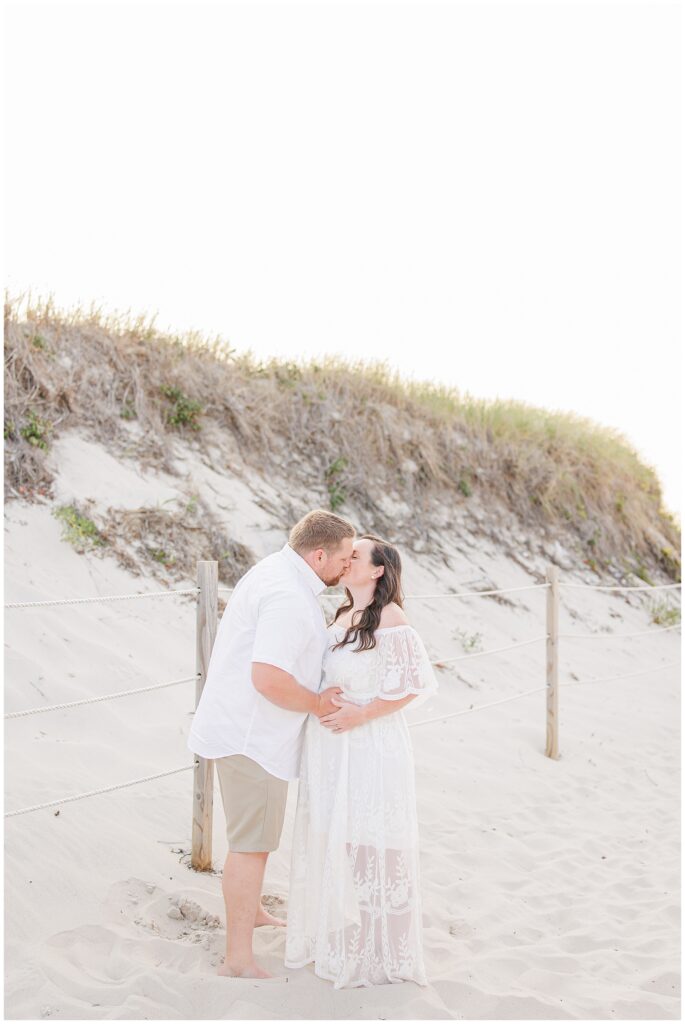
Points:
point(483, 195)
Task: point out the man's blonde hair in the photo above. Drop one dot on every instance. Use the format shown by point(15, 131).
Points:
point(320, 529)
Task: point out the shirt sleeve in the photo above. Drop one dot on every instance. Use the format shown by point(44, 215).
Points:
point(283, 630)
point(405, 667)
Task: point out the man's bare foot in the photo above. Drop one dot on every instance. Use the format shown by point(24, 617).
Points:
point(264, 917)
point(245, 971)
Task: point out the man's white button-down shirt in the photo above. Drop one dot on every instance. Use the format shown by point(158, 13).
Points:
point(273, 616)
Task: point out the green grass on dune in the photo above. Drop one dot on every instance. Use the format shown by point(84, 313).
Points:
point(340, 431)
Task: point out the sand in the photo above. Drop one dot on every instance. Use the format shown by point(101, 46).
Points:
point(550, 887)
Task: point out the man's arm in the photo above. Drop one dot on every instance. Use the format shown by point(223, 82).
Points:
point(283, 689)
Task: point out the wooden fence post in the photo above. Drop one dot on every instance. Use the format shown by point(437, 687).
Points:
point(552, 747)
point(203, 773)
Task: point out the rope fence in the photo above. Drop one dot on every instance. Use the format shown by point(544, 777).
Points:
point(98, 792)
point(596, 586)
point(491, 650)
point(207, 593)
point(96, 700)
point(616, 636)
point(624, 675)
point(408, 597)
point(537, 689)
point(412, 725)
point(103, 597)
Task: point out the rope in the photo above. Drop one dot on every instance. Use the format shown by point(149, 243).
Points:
point(625, 675)
point(493, 650)
point(94, 700)
point(464, 593)
point(538, 689)
point(113, 597)
point(477, 707)
point(427, 721)
point(592, 586)
point(476, 593)
point(409, 597)
point(97, 792)
point(612, 636)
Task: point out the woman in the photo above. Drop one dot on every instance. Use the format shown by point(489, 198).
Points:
point(354, 908)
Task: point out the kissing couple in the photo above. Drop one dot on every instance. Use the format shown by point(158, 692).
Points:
point(288, 696)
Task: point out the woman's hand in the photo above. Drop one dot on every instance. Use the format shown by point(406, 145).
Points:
point(349, 716)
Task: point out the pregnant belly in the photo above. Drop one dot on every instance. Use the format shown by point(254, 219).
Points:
point(356, 696)
point(378, 735)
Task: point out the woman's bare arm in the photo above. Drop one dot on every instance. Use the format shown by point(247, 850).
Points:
point(381, 706)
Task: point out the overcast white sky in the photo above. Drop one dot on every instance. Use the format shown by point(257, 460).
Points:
point(484, 195)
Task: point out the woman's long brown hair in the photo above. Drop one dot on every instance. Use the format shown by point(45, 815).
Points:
point(388, 589)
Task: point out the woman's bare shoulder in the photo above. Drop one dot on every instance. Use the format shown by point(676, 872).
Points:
point(392, 615)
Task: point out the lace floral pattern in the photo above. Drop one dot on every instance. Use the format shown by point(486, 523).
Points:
point(354, 908)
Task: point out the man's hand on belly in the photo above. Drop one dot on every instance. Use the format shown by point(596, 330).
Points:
point(283, 689)
point(326, 705)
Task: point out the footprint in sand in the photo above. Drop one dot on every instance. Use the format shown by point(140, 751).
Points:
point(176, 916)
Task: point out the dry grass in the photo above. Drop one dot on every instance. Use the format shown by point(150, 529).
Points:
point(165, 543)
point(176, 539)
point(354, 431)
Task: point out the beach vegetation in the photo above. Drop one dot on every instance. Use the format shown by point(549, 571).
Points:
point(79, 529)
point(184, 411)
point(663, 612)
point(341, 430)
point(36, 430)
point(470, 641)
point(336, 490)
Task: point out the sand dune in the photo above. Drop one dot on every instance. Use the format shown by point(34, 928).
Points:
point(551, 888)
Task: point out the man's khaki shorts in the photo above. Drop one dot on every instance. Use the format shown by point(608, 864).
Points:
point(254, 804)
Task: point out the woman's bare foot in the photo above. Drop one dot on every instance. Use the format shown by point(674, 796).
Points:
point(245, 971)
point(264, 917)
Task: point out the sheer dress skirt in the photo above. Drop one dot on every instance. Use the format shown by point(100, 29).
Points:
point(354, 908)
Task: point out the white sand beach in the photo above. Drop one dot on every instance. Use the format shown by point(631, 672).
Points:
point(550, 887)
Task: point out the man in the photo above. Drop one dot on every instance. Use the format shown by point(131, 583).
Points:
point(262, 682)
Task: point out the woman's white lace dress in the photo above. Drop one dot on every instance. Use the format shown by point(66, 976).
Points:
point(354, 907)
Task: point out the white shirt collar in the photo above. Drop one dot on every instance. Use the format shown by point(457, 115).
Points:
point(313, 581)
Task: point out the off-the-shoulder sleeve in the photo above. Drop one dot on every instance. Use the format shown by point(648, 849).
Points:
point(404, 666)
